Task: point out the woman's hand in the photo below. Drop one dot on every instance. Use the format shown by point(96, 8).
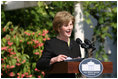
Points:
point(58, 59)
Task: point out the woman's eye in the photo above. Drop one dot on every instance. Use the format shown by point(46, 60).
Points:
point(71, 24)
point(65, 25)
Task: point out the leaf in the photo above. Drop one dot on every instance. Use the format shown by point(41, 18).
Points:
point(3, 42)
point(109, 35)
point(105, 57)
point(88, 21)
point(33, 65)
point(15, 49)
point(115, 9)
point(101, 20)
point(2, 52)
point(17, 41)
point(96, 55)
point(26, 56)
point(87, 14)
point(99, 58)
point(13, 62)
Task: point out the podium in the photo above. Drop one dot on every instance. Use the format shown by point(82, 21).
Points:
point(73, 67)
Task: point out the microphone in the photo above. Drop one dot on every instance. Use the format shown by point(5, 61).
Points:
point(88, 42)
point(79, 41)
point(91, 45)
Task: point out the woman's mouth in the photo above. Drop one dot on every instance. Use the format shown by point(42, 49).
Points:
point(68, 32)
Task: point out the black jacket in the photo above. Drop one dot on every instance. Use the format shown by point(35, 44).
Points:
point(53, 48)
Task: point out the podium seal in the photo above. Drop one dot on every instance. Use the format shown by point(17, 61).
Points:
point(91, 67)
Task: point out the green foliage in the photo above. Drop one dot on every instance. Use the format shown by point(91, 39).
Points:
point(20, 50)
point(39, 16)
point(105, 12)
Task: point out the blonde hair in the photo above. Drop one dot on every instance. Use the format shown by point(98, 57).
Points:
point(62, 17)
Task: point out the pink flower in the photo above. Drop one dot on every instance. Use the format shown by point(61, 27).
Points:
point(12, 66)
point(45, 31)
point(22, 75)
point(37, 45)
point(39, 33)
point(23, 61)
point(3, 65)
point(15, 57)
point(8, 39)
point(4, 29)
point(11, 74)
point(18, 77)
point(8, 66)
point(12, 53)
point(30, 76)
point(2, 59)
point(10, 43)
point(41, 51)
point(9, 50)
point(18, 60)
point(36, 41)
point(39, 76)
point(48, 38)
point(18, 64)
point(18, 74)
point(5, 57)
point(43, 34)
point(44, 39)
point(43, 73)
point(26, 73)
point(3, 69)
point(36, 53)
point(41, 44)
point(21, 41)
point(33, 33)
point(27, 42)
point(27, 33)
point(36, 69)
point(4, 48)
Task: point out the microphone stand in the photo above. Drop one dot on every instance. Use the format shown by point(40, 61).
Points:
point(88, 46)
point(89, 50)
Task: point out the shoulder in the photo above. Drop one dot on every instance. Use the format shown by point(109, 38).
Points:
point(51, 41)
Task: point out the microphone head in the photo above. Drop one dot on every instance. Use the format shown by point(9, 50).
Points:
point(78, 40)
point(83, 45)
point(88, 42)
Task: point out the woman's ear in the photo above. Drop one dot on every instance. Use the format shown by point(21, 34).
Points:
point(59, 30)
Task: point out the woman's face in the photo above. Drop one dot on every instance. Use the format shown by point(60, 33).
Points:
point(66, 30)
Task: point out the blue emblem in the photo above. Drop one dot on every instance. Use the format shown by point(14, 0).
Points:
point(91, 67)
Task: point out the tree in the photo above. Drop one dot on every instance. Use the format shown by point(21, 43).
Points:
point(106, 14)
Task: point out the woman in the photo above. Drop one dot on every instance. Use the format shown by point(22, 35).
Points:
point(59, 48)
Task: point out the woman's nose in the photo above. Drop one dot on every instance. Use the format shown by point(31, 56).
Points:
point(69, 27)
